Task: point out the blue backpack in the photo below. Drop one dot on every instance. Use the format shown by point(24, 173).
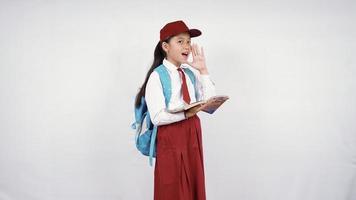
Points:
point(146, 141)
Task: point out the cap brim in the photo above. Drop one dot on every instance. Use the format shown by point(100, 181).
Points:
point(194, 32)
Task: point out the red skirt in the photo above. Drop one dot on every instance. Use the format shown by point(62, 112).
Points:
point(179, 168)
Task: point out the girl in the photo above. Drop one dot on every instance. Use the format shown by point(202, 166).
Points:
point(179, 168)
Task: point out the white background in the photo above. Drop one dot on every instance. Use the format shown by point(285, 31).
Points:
point(69, 72)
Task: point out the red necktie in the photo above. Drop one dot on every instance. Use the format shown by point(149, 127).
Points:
point(185, 92)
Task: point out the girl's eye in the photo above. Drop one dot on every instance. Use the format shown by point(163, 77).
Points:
point(180, 41)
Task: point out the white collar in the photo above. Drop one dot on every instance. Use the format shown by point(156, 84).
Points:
point(170, 66)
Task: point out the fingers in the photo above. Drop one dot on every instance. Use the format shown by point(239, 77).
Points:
point(193, 53)
point(199, 52)
point(200, 108)
point(195, 50)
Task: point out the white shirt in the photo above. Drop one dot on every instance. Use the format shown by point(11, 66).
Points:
point(155, 99)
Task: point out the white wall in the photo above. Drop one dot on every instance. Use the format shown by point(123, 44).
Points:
point(69, 71)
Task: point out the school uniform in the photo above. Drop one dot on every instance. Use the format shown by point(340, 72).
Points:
point(179, 168)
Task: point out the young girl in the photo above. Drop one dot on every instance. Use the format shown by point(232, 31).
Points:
point(179, 168)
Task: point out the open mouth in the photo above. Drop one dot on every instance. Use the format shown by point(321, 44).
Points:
point(185, 54)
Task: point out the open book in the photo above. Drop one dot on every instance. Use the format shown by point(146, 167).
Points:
point(210, 105)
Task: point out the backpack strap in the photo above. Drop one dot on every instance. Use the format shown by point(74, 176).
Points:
point(153, 144)
point(166, 82)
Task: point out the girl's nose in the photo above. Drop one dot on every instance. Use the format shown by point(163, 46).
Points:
point(188, 47)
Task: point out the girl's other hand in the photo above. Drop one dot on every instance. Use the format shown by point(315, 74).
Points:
point(192, 111)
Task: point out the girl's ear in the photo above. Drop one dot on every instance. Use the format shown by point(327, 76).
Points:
point(165, 47)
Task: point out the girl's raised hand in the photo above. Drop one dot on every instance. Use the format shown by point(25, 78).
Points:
point(198, 59)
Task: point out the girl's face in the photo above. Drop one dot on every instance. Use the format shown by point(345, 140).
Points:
point(178, 49)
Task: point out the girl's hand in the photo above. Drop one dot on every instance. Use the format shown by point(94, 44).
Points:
point(192, 111)
point(198, 59)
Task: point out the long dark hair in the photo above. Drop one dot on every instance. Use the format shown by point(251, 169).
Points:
point(159, 55)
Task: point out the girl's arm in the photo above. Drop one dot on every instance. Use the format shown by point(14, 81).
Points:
point(204, 85)
point(156, 103)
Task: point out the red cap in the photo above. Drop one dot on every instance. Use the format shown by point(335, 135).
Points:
point(175, 28)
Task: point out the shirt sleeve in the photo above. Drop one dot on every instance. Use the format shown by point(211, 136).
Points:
point(156, 103)
point(205, 86)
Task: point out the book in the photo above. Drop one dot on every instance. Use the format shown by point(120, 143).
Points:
point(209, 106)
